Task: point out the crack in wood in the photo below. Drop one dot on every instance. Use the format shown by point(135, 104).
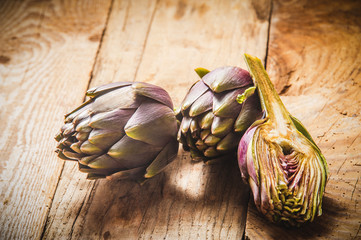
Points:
point(86, 199)
point(76, 218)
point(104, 216)
point(268, 34)
point(51, 204)
point(145, 40)
point(126, 15)
point(346, 152)
point(46, 219)
point(146, 210)
point(42, 236)
point(100, 45)
point(355, 237)
point(354, 188)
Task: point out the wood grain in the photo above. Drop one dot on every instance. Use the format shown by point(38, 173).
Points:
point(167, 40)
point(314, 60)
point(44, 48)
point(52, 51)
point(117, 60)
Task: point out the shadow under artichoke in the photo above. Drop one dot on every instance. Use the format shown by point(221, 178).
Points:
point(125, 207)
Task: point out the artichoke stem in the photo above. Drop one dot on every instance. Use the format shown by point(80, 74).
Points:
point(270, 101)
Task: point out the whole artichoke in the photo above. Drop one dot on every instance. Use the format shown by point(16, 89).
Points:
point(279, 159)
point(212, 121)
point(124, 128)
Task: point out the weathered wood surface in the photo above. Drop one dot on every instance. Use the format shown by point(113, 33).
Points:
point(52, 51)
point(45, 47)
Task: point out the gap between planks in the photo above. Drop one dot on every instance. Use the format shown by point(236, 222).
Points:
point(62, 168)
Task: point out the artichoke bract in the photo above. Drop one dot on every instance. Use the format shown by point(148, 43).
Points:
point(212, 121)
point(128, 129)
point(285, 169)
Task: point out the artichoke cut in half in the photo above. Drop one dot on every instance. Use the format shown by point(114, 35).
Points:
point(280, 161)
point(128, 129)
point(212, 121)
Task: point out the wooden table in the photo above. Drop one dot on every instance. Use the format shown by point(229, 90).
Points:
point(51, 52)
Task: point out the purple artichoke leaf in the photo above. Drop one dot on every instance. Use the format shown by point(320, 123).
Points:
point(190, 141)
point(207, 120)
point(195, 92)
point(82, 108)
point(134, 173)
point(83, 126)
point(103, 89)
point(59, 136)
point(94, 176)
point(230, 141)
point(90, 149)
point(194, 128)
point(67, 129)
point(225, 104)
point(61, 145)
point(250, 112)
point(153, 92)
point(82, 115)
point(86, 169)
point(87, 159)
point(211, 140)
point(152, 123)
point(222, 126)
point(75, 146)
point(227, 78)
point(201, 145)
point(166, 155)
point(82, 136)
point(220, 159)
point(196, 155)
point(185, 124)
point(132, 153)
point(62, 156)
point(105, 138)
point(113, 120)
point(205, 133)
point(211, 152)
point(202, 104)
point(243, 147)
point(105, 162)
point(124, 98)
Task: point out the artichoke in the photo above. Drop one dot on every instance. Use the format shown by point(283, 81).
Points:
point(285, 169)
point(124, 128)
point(212, 121)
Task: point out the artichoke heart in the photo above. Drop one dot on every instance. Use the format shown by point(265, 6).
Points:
point(278, 158)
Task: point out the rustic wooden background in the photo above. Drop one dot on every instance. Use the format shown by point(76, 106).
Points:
point(51, 52)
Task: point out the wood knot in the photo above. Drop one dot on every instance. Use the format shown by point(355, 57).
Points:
point(4, 59)
point(95, 38)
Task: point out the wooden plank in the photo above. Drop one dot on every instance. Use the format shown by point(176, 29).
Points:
point(314, 61)
point(118, 59)
point(45, 47)
point(161, 42)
